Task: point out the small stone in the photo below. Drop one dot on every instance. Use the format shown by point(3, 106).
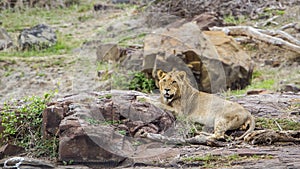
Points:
point(290, 88)
point(5, 40)
point(257, 91)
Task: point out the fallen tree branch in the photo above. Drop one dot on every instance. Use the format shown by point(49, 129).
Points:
point(256, 34)
point(282, 35)
point(287, 26)
point(270, 20)
point(271, 136)
point(199, 139)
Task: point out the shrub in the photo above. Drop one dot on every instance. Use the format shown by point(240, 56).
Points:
point(141, 83)
point(22, 122)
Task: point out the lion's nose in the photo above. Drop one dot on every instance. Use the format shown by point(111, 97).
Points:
point(166, 91)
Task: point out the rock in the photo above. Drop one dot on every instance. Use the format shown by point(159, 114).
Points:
point(273, 63)
point(106, 127)
point(25, 163)
point(10, 150)
point(101, 7)
point(206, 20)
point(257, 91)
point(108, 53)
point(38, 37)
point(78, 145)
point(236, 62)
point(212, 60)
point(133, 60)
point(290, 88)
point(5, 40)
point(270, 105)
point(120, 1)
point(52, 117)
point(159, 20)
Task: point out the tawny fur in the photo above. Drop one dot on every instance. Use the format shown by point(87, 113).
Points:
point(207, 109)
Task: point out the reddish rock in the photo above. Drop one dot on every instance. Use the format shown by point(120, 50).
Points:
point(52, 117)
point(10, 150)
point(104, 127)
point(80, 146)
point(257, 91)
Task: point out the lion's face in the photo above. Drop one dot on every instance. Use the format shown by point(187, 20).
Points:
point(168, 87)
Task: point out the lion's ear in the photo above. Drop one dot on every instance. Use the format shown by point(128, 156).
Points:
point(161, 74)
point(182, 75)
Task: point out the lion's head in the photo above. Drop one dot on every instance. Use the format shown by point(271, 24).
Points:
point(170, 85)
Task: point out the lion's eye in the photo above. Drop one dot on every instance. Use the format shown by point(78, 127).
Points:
point(164, 80)
point(173, 82)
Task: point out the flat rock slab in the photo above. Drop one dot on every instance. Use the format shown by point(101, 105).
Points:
point(271, 105)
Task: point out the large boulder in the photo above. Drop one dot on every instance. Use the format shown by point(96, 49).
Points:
point(212, 63)
point(105, 127)
point(38, 37)
point(5, 39)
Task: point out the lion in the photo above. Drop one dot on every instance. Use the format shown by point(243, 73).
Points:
point(207, 109)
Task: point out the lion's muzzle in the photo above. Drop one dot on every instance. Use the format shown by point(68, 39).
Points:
point(167, 95)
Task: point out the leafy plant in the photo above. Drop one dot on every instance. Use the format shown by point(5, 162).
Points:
point(141, 83)
point(122, 132)
point(22, 122)
point(234, 20)
point(107, 96)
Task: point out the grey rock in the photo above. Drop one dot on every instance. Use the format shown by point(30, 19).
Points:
point(290, 88)
point(108, 53)
point(38, 37)
point(269, 105)
point(209, 62)
point(157, 19)
point(5, 40)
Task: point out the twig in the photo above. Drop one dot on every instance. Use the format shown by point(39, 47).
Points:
point(279, 127)
point(270, 20)
point(287, 26)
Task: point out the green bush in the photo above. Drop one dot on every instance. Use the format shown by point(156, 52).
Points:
point(141, 83)
point(22, 122)
point(133, 81)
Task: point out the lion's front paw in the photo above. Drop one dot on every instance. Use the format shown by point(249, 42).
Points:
point(217, 137)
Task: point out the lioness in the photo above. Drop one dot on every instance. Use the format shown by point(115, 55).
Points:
point(204, 108)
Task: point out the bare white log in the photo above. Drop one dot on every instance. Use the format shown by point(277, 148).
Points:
point(282, 35)
point(199, 140)
point(287, 26)
point(256, 34)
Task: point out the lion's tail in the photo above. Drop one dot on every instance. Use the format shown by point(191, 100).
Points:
point(251, 128)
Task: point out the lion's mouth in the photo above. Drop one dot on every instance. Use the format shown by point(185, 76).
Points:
point(168, 96)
